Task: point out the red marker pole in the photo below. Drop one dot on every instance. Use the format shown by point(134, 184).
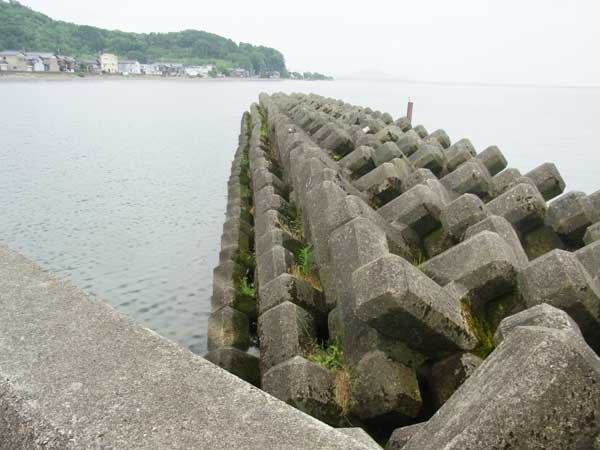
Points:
point(409, 110)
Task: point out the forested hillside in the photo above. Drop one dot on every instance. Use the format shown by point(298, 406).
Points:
point(21, 28)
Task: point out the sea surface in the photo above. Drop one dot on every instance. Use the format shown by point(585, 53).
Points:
point(120, 185)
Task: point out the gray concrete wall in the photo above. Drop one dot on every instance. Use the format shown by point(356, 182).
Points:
point(75, 374)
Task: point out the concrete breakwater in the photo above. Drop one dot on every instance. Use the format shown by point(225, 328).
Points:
point(75, 374)
point(377, 275)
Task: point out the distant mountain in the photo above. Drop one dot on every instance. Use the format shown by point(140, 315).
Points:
point(22, 28)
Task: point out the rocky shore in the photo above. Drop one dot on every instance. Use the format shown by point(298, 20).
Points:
point(379, 276)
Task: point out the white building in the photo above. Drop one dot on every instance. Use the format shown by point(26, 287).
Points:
point(109, 63)
point(49, 60)
point(36, 63)
point(198, 71)
point(130, 67)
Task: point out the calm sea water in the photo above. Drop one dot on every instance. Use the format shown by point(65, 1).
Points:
point(119, 185)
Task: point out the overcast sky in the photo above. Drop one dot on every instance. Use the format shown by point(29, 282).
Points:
point(508, 41)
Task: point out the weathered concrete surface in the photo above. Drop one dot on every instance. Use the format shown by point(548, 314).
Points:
point(75, 374)
point(542, 395)
point(401, 436)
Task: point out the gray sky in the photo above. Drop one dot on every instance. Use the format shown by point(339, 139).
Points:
point(508, 41)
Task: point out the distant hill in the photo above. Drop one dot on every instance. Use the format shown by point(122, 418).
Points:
point(22, 28)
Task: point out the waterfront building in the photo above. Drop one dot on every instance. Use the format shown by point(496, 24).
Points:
point(35, 63)
point(127, 67)
point(89, 66)
point(49, 60)
point(66, 63)
point(15, 61)
point(171, 69)
point(198, 71)
point(109, 63)
point(150, 69)
point(239, 73)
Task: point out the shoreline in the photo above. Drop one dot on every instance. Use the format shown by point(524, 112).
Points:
point(61, 76)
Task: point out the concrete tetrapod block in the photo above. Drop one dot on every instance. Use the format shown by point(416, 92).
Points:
point(418, 176)
point(540, 241)
point(323, 131)
point(523, 206)
point(384, 182)
point(457, 216)
point(401, 436)
point(484, 265)
point(358, 162)
point(589, 256)
point(448, 375)
point(285, 331)
point(273, 263)
point(353, 245)
point(360, 435)
point(595, 199)
point(338, 141)
point(277, 237)
point(383, 387)
point(236, 225)
point(305, 385)
point(288, 288)
point(228, 271)
point(419, 208)
point(493, 159)
point(437, 242)
point(592, 234)
point(540, 388)
point(470, 177)
point(265, 203)
point(237, 362)
point(268, 221)
point(429, 157)
point(459, 153)
point(236, 232)
point(367, 139)
point(542, 315)
point(87, 377)
point(227, 294)
point(397, 299)
point(570, 215)
point(390, 133)
point(442, 138)
point(548, 180)
point(263, 177)
point(559, 279)
point(505, 180)
point(228, 327)
point(504, 229)
point(386, 152)
point(436, 186)
point(421, 131)
point(409, 142)
point(404, 124)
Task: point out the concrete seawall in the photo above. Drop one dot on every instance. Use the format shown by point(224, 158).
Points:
point(75, 374)
point(378, 274)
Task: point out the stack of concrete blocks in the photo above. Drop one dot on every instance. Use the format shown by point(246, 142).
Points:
point(424, 247)
point(229, 327)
